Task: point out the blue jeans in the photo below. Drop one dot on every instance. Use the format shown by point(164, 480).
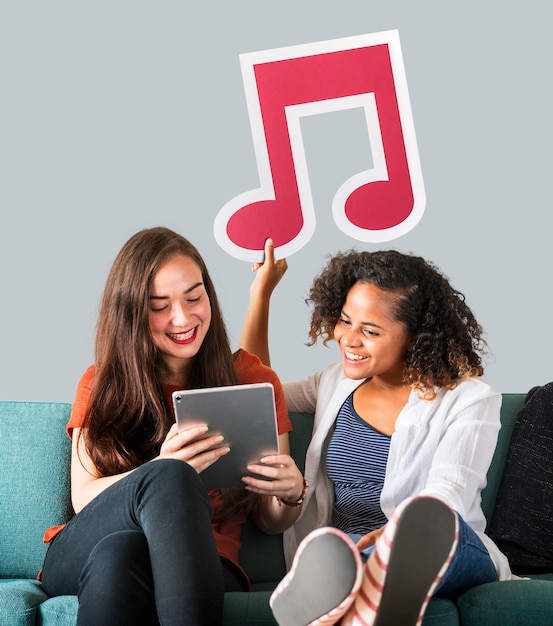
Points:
point(141, 552)
point(471, 564)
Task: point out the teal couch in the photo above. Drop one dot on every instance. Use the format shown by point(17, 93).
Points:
point(34, 494)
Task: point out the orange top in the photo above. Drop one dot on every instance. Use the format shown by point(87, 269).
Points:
point(250, 370)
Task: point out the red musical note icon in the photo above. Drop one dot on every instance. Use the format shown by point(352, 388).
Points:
point(285, 84)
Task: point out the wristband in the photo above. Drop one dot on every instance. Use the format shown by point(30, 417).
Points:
point(300, 500)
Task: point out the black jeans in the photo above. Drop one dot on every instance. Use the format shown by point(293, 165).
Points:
point(141, 552)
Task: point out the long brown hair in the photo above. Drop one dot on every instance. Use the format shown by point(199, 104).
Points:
point(128, 417)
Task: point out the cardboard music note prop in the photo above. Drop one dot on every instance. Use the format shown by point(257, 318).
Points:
point(285, 84)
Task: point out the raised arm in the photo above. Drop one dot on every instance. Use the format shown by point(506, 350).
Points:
point(255, 331)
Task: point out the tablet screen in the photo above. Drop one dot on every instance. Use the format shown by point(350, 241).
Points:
point(244, 414)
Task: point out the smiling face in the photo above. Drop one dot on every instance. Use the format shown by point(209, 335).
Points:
point(179, 314)
point(372, 342)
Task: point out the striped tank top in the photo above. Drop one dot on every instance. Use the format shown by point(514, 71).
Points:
point(356, 465)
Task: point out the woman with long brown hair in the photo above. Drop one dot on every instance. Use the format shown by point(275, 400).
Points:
point(148, 543)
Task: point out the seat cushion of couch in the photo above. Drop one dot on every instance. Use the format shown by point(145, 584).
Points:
point(239, 609)
point(59, 611)
point(441, 612)
point(20, 599)
point(253, 609)
point(508, 603)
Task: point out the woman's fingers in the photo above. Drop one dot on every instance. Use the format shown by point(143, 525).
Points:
point(280, 477)
point(369, 539)
point(194, 447)
point(270, 271)
point(175, 439)
point(202, 461)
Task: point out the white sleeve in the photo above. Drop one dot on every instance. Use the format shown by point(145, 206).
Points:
point(464, 453)
point(301, 396)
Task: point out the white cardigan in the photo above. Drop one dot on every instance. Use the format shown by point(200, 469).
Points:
point(441, 448)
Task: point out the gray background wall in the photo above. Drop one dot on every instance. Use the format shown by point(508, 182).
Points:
point(116, 115)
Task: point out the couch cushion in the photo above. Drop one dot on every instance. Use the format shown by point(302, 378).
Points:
point(19, 599)
point(522, 522)
point(58, 611)
point(441, 612)
point(300, 437)
point(251, 609)
point(508, 603)
point(34, 490)
point(261, 556)
point(510, 406)
point(240, 609)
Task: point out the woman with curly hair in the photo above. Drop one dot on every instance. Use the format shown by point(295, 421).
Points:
point(404, 432)
point(149, 544)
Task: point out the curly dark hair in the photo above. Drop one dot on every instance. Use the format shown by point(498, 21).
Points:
point(446, 341)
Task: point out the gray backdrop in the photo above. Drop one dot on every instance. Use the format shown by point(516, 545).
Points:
point(115, 116)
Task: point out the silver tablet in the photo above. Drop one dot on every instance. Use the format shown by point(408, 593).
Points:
point(244, 414)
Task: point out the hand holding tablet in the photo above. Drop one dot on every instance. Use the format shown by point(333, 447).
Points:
point(246, 417)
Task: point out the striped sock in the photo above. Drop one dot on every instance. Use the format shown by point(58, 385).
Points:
point(419, 562)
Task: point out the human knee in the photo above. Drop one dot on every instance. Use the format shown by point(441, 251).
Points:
point(169, 484)
point(117, 554)
point(168, 471)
